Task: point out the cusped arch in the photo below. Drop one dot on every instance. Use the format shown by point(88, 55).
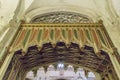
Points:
point(71, 54)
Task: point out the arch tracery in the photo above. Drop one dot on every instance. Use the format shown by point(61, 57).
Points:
point(61, 17)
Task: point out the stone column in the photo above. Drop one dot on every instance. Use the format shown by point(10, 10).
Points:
point(13, 26)
point(5, 65)
point(5, 45)
point(115, 64)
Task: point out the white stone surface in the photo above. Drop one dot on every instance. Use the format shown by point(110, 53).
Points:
point(56, 74)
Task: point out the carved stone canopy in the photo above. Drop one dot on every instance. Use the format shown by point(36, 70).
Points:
point(61, 17)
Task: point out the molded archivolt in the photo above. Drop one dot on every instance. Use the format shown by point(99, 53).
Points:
point(86, 12)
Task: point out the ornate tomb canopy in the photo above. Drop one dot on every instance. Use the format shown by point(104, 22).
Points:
point(61, 36)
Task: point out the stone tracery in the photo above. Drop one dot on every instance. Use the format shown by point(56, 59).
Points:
point(61, 17)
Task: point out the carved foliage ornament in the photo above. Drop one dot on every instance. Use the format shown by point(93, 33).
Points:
point(61, 17)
